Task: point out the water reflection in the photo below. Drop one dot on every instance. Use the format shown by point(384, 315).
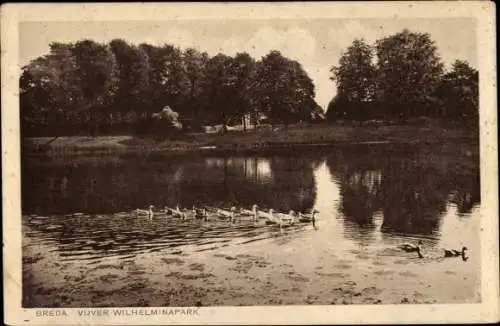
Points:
point(367, 192)
point(250, 168)
point(411, 189)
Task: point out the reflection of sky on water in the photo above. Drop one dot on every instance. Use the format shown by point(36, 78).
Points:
point(257, 169)
point(327, 190)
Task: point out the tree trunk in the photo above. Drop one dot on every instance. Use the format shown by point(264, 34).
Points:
point(224, 123)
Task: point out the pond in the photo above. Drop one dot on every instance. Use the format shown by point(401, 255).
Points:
point(373, 196)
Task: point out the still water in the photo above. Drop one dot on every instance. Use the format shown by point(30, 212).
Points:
point(366, 195)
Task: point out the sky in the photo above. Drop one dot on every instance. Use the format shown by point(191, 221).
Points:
point(316, 43)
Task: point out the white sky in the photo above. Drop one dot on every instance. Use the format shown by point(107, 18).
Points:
point(317, 44)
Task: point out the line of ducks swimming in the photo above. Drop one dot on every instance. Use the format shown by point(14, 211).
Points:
point(271, 216)
point(280, 219)
point(410, 247)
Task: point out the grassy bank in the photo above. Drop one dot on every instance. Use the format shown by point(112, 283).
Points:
point(298, 135)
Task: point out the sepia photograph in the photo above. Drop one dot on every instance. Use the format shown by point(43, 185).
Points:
point(225, 159)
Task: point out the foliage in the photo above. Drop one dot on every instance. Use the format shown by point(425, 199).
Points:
point(48, 86)
point(355, 74)
point(407, 81)
point(166, 123)
point(409, 71)
point(284, 91)
point(459, 92)
point(97, 78)
point(355, 77)
point(195, 63)
point(115, 88)
point(243, 71)
point(133, 69)
point(169, 116)
point(118, 86)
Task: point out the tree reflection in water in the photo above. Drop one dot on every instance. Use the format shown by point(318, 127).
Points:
point(281, 182)
point(409, 187)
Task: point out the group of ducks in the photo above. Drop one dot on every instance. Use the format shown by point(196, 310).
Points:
point(409, 247)
point(272, 217)
point(255, 214)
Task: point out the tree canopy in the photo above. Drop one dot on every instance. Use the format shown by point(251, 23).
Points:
point(119, 84)
point(116, 87)
point(401, 77)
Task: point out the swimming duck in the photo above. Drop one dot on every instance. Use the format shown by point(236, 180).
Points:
point(286, 218)
point(454, 253)
point(269, 216)
point(254, 212)
point(148, 212)
point(410, 247)
point(200, 213)
point(178, 213)
point(304, 217)
point(227, 214)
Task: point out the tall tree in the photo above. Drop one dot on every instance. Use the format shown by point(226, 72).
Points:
point(49, 91)
point(281, 87)
point(243, 70)
point(196, 63)
point(409, 70)
point(459, 93)
point(304, 105)
point(133, 69)
point(218, 87)
point(98, 78)
point(355, 78)
point(169, 84)
point(175, 80)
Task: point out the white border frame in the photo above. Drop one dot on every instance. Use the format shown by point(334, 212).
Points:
point(483, 11)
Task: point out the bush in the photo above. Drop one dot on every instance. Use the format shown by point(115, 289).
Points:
point(166, 124)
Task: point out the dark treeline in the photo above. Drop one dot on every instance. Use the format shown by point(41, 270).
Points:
point(400, 78)
point(89, 87)
point(92, 88)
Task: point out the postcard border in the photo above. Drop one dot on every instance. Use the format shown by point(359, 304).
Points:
point(484, 12)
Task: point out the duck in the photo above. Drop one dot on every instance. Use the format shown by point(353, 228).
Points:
point(254, 212)
point(277, 218)
point(269, 216)
point(177, 212)
point(286, 218)
point(186, 213)
point(454, 253)
point(410, 247)
point(147, 212)
point(304, 217)
point(200, 213)
point(227, 214)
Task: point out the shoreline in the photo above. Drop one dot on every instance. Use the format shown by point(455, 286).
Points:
point(249, 142)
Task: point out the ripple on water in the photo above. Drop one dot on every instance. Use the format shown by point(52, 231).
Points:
point(90, 237)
